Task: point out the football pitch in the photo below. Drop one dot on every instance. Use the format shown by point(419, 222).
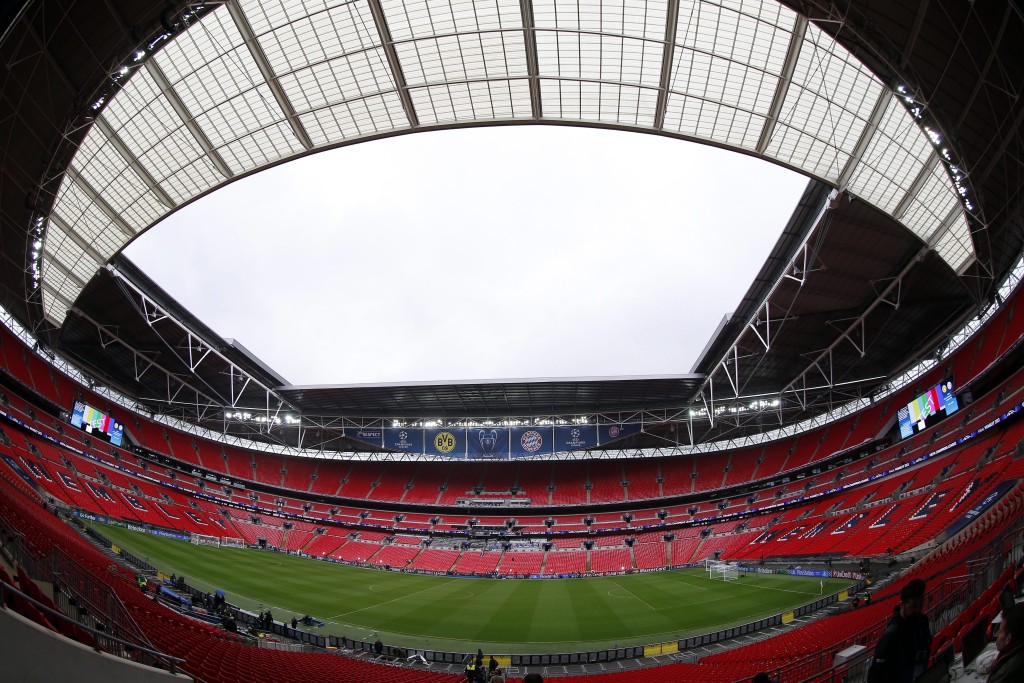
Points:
point(461, 614)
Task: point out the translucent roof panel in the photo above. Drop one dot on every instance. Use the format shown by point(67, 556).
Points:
point(752, 33)
point(599, 102)
point(893, 159)
point(340, 80)
point(76, 208)
point(599, 58)
point(424, 18)
point(955, 246)
point(264, 146)
point(357, 118)
point(827, 106)
point(478, 56)
point(932, 205)
point(614, 17)
point(708, 120)
point(297, 35)
point(471, 101)
point(261, 81)
point(147, 124)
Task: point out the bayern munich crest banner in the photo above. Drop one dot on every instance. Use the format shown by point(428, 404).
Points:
point(527, 441)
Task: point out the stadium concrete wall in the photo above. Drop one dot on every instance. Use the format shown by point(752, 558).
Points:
point(32, 653)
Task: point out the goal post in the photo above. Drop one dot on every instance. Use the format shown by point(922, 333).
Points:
point(725, 571)
point(220, 542)
point(201, 539)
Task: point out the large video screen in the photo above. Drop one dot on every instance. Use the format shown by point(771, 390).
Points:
point(93, 421)
point(925, 410)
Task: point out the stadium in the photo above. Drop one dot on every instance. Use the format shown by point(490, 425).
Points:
point(171, 507)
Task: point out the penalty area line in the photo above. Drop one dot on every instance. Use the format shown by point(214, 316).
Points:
point(636, 597)
point(386, 602)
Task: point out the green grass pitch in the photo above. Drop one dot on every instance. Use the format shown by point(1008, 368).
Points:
point(462, 614)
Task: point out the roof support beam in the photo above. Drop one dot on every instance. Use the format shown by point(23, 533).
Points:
point(532, 64)
point(77, 239)
point(915, 187)
point(66, 272)
point(782, 87)
point(388, 43)
point(142, 362)
point(260, 57)
point(179, 107)
point(796, 270)
point(915, 31)
point(133, 161)
point(877, 112)
point(983, 76)
point(154, 312)
point(667, 55)
point(856, 328)
point(101, 202)
point(57, 295)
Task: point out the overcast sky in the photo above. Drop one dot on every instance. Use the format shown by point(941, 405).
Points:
point(489, 253)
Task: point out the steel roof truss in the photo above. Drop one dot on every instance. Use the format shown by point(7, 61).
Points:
point(263, 64)
point(796, 42)
point(237, 395)
point(532, 64)
point(388, 43)
point(153, 313)
point(193, 349)
point(117, 143)
point(668, 53)
point(109, 336)
point(866, 135)
point(797, 270)
point(858, 324)
point(182, 111)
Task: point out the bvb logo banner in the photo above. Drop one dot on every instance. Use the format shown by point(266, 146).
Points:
point(444, 442)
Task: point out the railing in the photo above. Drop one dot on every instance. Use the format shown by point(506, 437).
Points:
point(102, 640)
point(945, 601)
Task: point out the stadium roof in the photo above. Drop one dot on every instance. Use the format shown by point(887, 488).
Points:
point(116, 114)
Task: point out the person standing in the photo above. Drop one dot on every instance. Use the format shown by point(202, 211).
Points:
point(902, 652)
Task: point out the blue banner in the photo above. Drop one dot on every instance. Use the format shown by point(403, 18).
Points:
point(575, 438)
point(450, 443)
point(491, 443)
point(528, 441)
point(614, 432)
point(982, 505)
point(370, 436)
point(487, 443)
point(407, 440)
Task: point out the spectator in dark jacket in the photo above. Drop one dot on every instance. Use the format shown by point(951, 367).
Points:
point(902, 652)
point(1009, 665)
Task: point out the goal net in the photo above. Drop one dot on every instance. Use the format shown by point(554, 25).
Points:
point(725, 571)
point(200, 539)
